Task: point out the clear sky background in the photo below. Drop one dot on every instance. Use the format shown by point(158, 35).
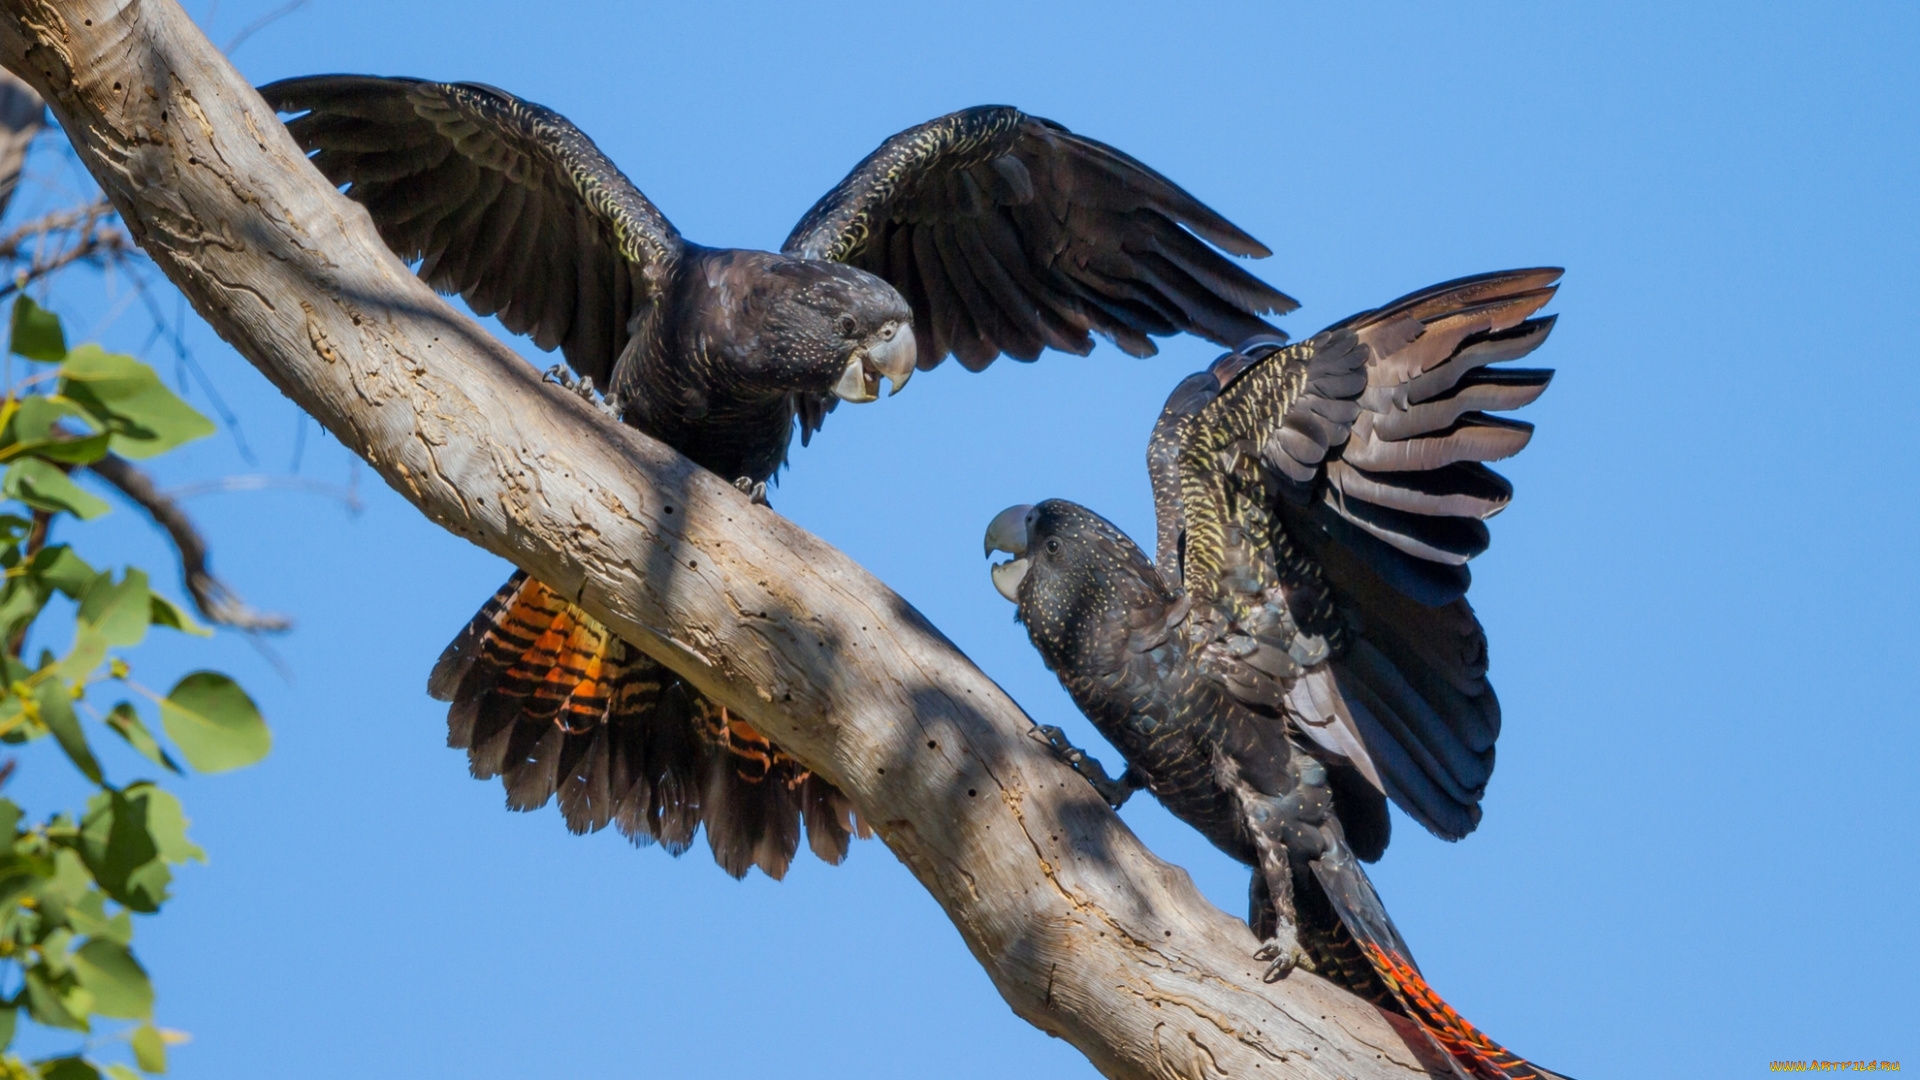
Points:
point(1699, 847)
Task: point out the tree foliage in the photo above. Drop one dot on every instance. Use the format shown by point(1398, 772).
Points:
point(71, 882)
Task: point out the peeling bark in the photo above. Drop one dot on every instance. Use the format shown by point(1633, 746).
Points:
point(1084, 932)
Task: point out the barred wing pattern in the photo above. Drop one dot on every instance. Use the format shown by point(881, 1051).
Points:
point(1010, 234)
point(503, 201)
point(1324, 500)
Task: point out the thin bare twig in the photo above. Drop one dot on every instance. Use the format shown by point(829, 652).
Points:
point(22, 116)
point(170, 330)
point(95, 248)
point(83, 217)
point(215, 600)
point(347, 497)
point(262, 23)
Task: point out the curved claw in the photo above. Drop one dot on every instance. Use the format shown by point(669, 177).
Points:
point(1283, 953)
point(755, 490)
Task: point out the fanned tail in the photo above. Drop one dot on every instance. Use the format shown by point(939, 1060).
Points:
point(1360, 949)
point(544, 697)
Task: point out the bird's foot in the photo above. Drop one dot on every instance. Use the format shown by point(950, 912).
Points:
point(1282, 953)
point(1115, 792)
point(756, 490)
point(562, 376)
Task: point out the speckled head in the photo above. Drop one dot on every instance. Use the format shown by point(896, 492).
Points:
point(825, 328)
point(1071, 568)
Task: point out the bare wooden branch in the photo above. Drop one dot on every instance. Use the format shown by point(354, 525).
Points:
point(219, 603)
point(81, 236)
point(1084, 932)
point(22, 114)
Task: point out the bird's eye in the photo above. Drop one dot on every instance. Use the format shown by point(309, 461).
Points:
point(1053, 547)
point(847, 326)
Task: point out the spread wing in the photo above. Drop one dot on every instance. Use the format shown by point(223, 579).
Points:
point(503, 201)
point(1320, 502)
point(1010, 234)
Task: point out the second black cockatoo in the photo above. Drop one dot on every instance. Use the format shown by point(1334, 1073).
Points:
point(983, 232)
point(1302, 650)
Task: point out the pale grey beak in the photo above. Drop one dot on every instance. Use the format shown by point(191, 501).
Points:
point(890, 354)
point(1007, 577)
point(1008, 532)
point(856, 383)
point(894, 355)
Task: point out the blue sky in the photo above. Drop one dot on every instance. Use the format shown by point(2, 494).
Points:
point(1698, 850)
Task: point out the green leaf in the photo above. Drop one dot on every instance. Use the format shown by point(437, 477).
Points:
point(53, 953)
point(89, 649)
point(118, 983)
point(68, 887)
point(36, 332)
point(34, 429)
point(66, 1068)
point(144, 416)
point(214, 723)
point(41, 485)
point(9, 1019)
point(20, 600)
point(22, 874)
point(120, 611)
point(59, 567)
point(84, 450)
point(166, 823)
point(35, 415)
point(56, 711)
point(126, 722)
point(121, 1072)
point(53, 568)
point(53, 1005)
point(167, 613)
point(10, 813)
point(124, 857)
point(149, 1049)
point(88, 915)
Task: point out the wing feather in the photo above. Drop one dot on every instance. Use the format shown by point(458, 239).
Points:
point(1100, 242)
point(1020, 342)
point(975, 343)
point(1348, 542)
point(501, 200)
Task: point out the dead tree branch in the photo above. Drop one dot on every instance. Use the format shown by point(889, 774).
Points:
point(1084, 932)
point(80, 236)
point(215, 600)
point(22, 115)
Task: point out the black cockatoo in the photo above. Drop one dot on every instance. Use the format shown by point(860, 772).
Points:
point(982, 232)
point(1302, 650)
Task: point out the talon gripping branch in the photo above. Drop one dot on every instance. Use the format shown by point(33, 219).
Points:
point(1302, 650)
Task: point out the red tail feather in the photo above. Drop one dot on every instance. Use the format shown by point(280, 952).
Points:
point(546, 698)
point(1478, 1055)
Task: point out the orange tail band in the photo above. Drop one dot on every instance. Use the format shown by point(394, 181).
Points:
point(1479, 1056)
